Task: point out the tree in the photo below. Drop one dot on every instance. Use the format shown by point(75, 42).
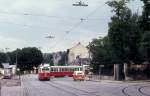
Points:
point(63, 60)
point(145, 46)
point(145, 23)
point(3, 57)
point(48, 58)
point(118, 29)
point(13, 56)
point(124, 35)
point(29, 57)
point(101, 52)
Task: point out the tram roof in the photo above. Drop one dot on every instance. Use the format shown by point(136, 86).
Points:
point(66, 66)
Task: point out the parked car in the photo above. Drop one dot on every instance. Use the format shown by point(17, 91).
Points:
point(78, 75)
point(7, 74)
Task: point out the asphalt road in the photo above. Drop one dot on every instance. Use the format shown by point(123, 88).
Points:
point(65, 86)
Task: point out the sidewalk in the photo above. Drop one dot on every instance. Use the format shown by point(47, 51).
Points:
point(97, 78)
point(11, 91)
point(11, 87)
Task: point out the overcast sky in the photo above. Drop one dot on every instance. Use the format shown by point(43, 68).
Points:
point(26, 23)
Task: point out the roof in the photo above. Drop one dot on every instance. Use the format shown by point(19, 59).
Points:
point(6, 65)
point(77, 45)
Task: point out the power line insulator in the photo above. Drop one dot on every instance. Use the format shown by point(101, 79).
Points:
point(80, 3)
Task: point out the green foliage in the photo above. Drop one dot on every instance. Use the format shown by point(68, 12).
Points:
point(101, 52)
point(145, 22)
point(13, 55)
point(48, 58)
point(145, 46)
point(145, 25)
point(63, 59)
point(3, 57)
point(29, 57)
point(124, 33)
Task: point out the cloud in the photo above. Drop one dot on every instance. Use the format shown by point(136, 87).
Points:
point(10, 42)
point(25, 23)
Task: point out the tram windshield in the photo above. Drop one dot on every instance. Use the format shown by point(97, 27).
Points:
point(45, 69)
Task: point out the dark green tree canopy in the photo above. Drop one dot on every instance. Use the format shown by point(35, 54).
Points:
point(124, 33)
point(100, 51)
point(3, 57)
point(145, 22)
point(29, 57)
point(48, 58)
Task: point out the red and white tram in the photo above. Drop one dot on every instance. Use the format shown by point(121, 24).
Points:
point(59, 71)
point(43, 73)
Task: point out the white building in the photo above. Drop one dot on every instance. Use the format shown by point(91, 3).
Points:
point(78, 55)
point(12, 68)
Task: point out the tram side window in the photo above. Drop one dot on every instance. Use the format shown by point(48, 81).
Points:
point(52, 69)
point(66, 69)
point(76, 69)
point(56, 69)
point(63, 69)
point(80, 69)
point(60, 69)
point(71, 69)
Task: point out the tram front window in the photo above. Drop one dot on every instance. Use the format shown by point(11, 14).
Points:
point(45, 69)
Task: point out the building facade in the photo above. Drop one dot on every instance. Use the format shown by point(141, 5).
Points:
point(56, 58)
point(78, 55)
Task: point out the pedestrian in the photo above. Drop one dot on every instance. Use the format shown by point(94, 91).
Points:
point(90, 75)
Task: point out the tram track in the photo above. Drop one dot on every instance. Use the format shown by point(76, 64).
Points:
point(139, 90)
point(75, 90)
point(136, 89)
point(46, 86)
point(27, 90)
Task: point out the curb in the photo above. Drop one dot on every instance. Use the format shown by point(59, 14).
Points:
point(113, 81)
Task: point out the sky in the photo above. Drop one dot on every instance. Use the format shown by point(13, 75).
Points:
point(27, 23)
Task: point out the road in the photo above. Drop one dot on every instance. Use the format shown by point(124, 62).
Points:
point(31, 86)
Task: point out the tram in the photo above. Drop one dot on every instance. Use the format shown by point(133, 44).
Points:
point(46, 71)
point(60, 71)
point(43, 73)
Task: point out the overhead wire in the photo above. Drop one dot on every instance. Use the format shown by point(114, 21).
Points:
point(78, 24)
point(47, 16)
point(57, 17)
point(83, 19)
point(24, 25)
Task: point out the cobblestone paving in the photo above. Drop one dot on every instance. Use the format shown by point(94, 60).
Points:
point(11, 87)
point(65, 86)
